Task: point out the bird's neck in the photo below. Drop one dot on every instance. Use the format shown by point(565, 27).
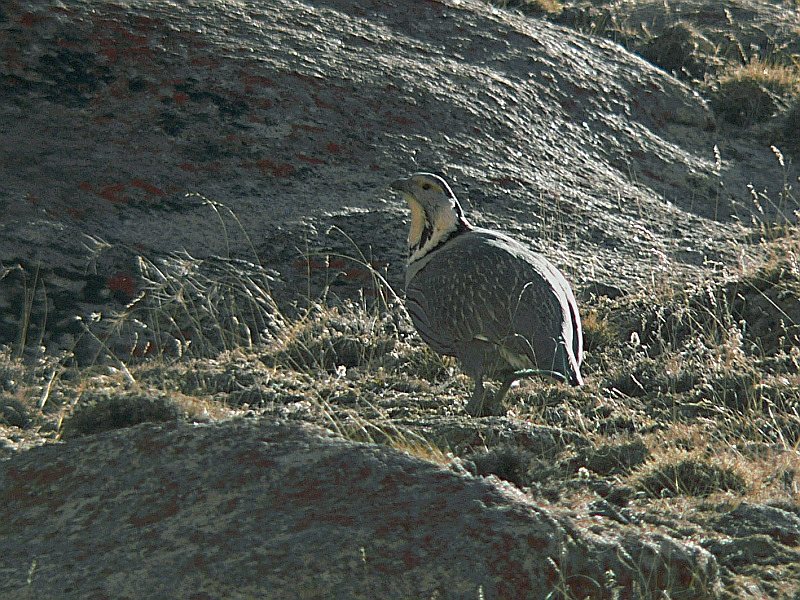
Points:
point(425, 237)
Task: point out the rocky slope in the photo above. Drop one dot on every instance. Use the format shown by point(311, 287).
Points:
point(294, 117)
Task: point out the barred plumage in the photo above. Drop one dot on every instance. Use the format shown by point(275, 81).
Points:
point(504, 311)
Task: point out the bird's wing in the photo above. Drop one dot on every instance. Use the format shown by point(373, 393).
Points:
point(550, 300)
point(484, 288)
point(574, 322)
point(437, 337)
point(473, 289)
point(488, 287)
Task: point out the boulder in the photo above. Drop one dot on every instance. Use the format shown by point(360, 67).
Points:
point(251, 508)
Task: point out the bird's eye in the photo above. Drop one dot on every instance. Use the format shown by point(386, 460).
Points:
point(426, 186)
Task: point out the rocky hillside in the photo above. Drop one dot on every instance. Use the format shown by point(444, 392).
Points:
point(197, 232)
point(246, 130)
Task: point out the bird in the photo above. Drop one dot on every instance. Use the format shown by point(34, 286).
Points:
point(504, 311)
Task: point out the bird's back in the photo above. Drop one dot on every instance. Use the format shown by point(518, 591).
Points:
point(483, 286)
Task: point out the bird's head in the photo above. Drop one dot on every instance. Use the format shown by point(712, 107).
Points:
point(436, 214)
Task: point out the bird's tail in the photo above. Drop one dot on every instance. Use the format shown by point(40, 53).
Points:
point(575, 377)
point(572, 370)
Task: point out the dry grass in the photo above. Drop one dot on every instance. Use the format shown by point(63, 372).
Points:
point(719, 346)
point(748, 72)
point(780, 79)
point(331, 337)
point(755, 91)
point(692, 402)
point(598, 331)
point(550, 7)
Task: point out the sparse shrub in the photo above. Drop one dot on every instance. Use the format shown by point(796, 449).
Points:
point(780, 428)
point(547, 402)
point(744, 101)
point(772, 318)
point(260, 396)
point(13, 412)
point(598, 331)
point(757, 314)
point(611, 459)
point(753, 92)
point(552, 7)
point(677, 49)
point(596, 20)
point(426, 364)
point(508, 463)
point(326, 338)
point(734, 387)
point(418, 447)
point(196, 306)
point(104, 412)
point(214, 376)
point(515, 465)
point(690, 477)
point(644, 376)
point(780, 392)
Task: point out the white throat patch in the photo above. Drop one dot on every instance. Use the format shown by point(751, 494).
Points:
point(424, 236)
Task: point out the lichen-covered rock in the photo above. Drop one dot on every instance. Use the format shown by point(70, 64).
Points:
point(758, 519)
point(247, 508)
point(292, 117)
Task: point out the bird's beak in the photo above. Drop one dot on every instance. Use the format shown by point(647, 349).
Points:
point(402, 185)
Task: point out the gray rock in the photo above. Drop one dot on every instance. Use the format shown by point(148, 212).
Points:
point(744, 552)
point(754, 519)
point(249, 508)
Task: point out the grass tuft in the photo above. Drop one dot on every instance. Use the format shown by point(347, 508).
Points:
point(677, 48)
point(202, 306)
point(692, 389)
point(611, 459)
point(753, 92)
point(598, 330)
point(103, 412)
point(507, 462)
point(326, 338)
point(532, 7)
point(690, 477)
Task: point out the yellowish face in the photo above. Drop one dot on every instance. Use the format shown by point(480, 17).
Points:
point(428, 187)
point(417, 220)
